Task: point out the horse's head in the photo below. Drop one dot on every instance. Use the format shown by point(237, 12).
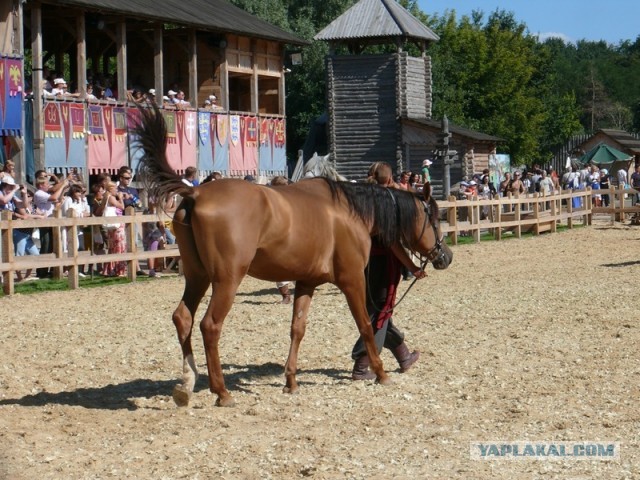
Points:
point(429, 239)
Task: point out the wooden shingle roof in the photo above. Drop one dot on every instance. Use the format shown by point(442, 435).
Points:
point(213, 15)
point(456, 130)
point(376, 19)
point(627, 140)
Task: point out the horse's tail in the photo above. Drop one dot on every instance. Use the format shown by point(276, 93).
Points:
point(153, 168)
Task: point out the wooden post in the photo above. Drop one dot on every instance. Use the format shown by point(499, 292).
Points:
point(518, 206)
point(8, 285)
point(121, 46)
point(554, 213)
point(475, 220)
point(570, 210)
point(452, 220)
point(72, 251)
point(588, 202)
point(58, 247)
point(281, 87)
point(81, 54)
point(224, 79)
point(536, 213)
point(255, 107)
point(158, 63)
point(36, 63)
point(131, 243)
point(497, 217)
point(193, 68)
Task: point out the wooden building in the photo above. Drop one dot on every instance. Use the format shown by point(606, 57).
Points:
point(380, 105)
point(203, 47)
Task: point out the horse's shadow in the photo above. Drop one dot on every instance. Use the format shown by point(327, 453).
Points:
point(122, 396)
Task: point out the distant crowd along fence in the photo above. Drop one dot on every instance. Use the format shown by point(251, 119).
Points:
point(516, 214)
point(69, 260)
point(532, 213)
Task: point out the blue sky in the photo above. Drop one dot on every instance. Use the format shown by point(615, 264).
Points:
point(611, 20)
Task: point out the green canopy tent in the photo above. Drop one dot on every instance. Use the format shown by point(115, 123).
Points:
point(605, 156)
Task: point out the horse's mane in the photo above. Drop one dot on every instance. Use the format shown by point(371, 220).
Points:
point(392, 212)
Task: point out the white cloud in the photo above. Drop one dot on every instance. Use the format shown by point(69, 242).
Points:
point(542, 36)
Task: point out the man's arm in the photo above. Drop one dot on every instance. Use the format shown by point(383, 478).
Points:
point(401, 255)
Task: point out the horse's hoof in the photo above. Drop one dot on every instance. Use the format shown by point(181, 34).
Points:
point(225, 402)
point(384, 380)
point(181, 396)
point(291, 390)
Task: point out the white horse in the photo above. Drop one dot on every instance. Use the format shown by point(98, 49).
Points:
point(320, 166)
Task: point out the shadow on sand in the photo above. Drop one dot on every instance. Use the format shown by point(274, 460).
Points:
point(122, 396)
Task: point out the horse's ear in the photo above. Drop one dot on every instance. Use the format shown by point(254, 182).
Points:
point(426, 191)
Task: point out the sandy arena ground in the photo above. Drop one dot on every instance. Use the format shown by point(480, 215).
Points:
point(522, 340)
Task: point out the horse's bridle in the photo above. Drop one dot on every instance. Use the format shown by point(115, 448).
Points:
point(433, 254)
point(436, 251)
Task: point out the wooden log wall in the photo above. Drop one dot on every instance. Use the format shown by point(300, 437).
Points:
point(363, 108)
point(415, 86)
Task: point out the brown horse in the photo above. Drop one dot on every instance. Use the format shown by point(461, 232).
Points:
point(315, 231)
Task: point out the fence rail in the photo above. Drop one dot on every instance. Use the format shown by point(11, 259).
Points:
point(533, 213)
point(71, 259)
point(515, 214)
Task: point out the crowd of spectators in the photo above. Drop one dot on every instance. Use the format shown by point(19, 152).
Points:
point(102, 87)
point(109, 197)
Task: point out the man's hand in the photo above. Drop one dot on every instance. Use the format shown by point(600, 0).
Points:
point(419, 274)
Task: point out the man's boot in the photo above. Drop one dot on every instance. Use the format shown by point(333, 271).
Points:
point(404, 357)
point(286, 296)
point(361, 369)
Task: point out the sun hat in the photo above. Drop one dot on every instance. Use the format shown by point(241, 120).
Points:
point(7, 180)
point(59, 81)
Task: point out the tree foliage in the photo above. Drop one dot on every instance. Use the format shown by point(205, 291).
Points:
point(489, 73)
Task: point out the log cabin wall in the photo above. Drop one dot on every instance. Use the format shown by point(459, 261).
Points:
point(367, 95)
point(415, 86)
point(363, 109)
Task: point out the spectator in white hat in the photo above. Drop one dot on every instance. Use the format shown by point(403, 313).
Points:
point(426, 176)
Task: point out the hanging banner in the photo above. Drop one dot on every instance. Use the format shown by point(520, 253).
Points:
point(265, 154)
point(11, 103)
point(63, 135)
point(221, 150)
point(279, 146)
point(236, 164)
point(133, 117)
point(188, 139)
point(249, 126)
point(107, 146)
point(207, 146)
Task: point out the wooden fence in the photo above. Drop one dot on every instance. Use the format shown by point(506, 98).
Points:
point(499, 216)
point(70, 260)
point(531, 213)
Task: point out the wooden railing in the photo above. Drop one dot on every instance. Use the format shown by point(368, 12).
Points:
point(533, 213)
point(70, 260)
point(499, 216)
